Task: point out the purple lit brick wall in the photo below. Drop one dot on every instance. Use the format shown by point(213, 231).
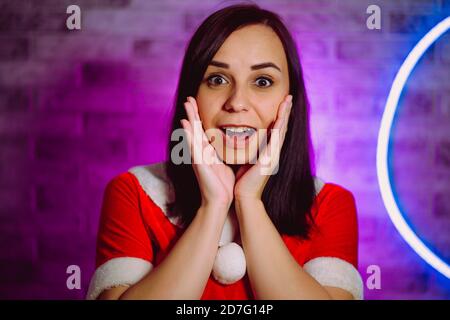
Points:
point(79, 107)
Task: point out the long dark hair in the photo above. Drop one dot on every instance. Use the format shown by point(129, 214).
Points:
point(289, 195)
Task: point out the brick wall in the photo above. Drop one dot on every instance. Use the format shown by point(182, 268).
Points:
point(79, 107)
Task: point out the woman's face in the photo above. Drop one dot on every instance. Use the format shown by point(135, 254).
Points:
point(241, 91)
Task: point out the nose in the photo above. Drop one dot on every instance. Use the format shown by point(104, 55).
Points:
point(237, 102)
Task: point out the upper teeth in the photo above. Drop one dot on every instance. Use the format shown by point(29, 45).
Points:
point(238, 129)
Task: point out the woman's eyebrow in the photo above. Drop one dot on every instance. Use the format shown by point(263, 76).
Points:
point(254, 67)
point(219, 64)
point(265, 65)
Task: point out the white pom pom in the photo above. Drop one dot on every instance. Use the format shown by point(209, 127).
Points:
point(230, 265)
point(229, 229)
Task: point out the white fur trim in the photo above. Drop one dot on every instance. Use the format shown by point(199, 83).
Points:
point(318, 183)
point(157, 186)
point(154, 181)
point(229, 265)
point(335, 272)
point(118, 271)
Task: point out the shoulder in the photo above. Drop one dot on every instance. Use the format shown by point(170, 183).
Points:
point(333, 200)
point(329, 192)
point(150, 179)
point(154, 181)
point(121, 188)
point(156, 186)
point(142, 184)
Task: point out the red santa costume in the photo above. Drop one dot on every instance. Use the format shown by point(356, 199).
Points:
point(135, 234)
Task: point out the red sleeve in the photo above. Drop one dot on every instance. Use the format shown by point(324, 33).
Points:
point(121, 230)
point(336, 232)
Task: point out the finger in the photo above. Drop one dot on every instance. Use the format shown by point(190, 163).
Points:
point(285, 113)
point(275, 127)
point(283, 106)
point(193, 102)
point(282, 110)
point(188, 131)
point(195, 142)
point(268, 159)
point(279, 121)
point(194, 154)
point(287, 106)
point(201, 147)
point(286, 119)
point(196, 114)
point(189, 112)
point(197, 130)
point(278, 132)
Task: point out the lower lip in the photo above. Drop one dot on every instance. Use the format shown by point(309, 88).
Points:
point(236, 142)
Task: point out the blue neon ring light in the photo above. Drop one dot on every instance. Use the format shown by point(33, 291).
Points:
point(383, 143)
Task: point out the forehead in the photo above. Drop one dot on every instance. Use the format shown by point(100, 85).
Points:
point(251, 45)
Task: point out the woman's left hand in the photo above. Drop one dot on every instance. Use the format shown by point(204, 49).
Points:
point(251, 179)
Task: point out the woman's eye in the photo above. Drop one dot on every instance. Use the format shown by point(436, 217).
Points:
point(263, 82)
point(216, 80)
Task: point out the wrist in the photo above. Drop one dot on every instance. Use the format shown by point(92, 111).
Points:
point(216, 206)
point(247, 204)
point(251, 200)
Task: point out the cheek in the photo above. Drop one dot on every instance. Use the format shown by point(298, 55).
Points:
point(203, 110)
point(207, 112)
point(210, 103)
point(267, 113)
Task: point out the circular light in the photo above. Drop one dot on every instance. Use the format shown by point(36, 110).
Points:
point(382, 150)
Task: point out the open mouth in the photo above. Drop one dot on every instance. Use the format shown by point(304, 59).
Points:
point(235, 136)
point(238, 132)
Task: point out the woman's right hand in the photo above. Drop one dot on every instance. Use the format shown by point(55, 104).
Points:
point(216, 179)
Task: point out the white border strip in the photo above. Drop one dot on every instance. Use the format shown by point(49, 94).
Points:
point(123, 271)
point(335, 272)
point(383, 143)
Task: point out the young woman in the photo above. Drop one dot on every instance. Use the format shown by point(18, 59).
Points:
point(242, 219)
